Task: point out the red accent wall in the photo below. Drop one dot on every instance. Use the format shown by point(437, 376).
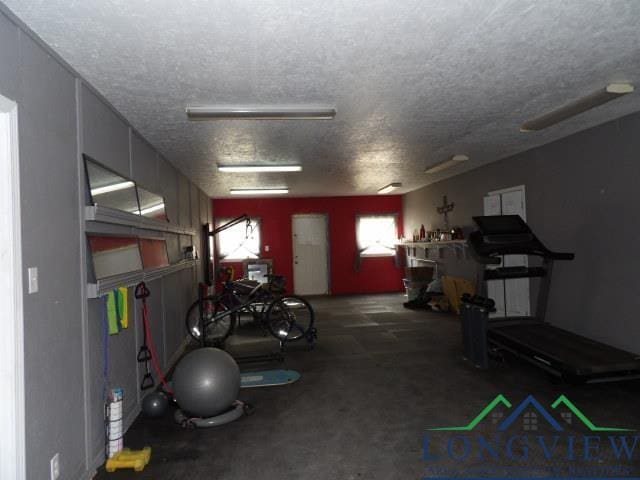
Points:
point(376, 275)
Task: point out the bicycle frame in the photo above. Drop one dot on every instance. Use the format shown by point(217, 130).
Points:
point(234, 304)
point(259, 300)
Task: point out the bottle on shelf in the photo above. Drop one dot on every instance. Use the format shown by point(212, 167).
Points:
point(423, 233)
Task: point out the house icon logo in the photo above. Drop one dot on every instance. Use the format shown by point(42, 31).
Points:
point(529, 414)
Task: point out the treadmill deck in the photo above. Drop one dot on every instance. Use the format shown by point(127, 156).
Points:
point(576, 354)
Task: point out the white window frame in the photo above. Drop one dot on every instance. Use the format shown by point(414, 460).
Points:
point(256, 226)
point(359, 241)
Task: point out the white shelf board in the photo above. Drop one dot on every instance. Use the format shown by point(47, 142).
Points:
point(459, 246)
point(441, 244)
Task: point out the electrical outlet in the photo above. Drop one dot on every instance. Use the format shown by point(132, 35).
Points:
point(55, 467)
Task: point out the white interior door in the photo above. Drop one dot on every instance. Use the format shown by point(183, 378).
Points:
point(310, 255)
point(12, 446)
point(512, 296)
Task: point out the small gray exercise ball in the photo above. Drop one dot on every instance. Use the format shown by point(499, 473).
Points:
point(155, 404)
point(206, 382)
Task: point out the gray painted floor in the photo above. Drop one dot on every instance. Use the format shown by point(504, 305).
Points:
point(379, 376)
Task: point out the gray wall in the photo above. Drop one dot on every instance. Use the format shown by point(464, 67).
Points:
point(61, 117)
point(581, 196)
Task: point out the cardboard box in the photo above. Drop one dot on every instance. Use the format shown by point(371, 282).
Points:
point(454, 288)
point(418, 274)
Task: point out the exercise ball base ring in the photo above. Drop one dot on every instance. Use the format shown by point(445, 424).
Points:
point(234, 413)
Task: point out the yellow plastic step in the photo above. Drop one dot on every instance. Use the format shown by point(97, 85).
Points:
point(127, 458)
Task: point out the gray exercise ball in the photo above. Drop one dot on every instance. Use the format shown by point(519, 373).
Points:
point(155, 404)
point(206, 382)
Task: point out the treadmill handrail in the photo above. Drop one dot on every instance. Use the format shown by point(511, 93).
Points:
point(490, 252)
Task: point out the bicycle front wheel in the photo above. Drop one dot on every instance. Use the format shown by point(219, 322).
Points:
point(289, 318)
point(216, 329)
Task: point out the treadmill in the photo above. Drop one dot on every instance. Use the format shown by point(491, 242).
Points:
point(561, 353)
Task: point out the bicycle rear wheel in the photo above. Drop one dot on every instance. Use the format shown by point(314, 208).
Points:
point(290, 318)
point(216, 330)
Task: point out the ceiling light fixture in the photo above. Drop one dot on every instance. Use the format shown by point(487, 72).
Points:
point(438, 167)
point(389, 188)
point(259, 191)
point(259, 168)
point(275, 112)
point(595, 99)
point(114, 187)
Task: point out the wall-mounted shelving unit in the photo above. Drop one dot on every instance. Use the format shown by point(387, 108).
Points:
point(105, 285)
point(459, 246)
point(109, 221)
point(417, 253)
point(101, 214)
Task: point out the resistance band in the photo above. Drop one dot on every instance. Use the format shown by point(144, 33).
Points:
point(147, 350)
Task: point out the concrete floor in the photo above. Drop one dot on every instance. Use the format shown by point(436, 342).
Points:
point(379, 377)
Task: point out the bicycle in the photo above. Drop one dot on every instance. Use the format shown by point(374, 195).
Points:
point(286, 317)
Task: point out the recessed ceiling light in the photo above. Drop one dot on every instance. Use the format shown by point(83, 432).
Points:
point(438, 167)
point(274, 112)
point(595, 99)
point(259, 168)
point(259, 191)
point(389, 188)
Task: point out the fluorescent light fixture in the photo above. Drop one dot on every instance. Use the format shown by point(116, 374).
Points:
point(595, 99)
point(259, 191)
point(245, 112)
point(153, 208)
point(259, 168)
point(389, 188)
point(114, 187)
point(438, 167)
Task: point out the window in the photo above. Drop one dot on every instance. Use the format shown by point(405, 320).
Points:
point(376, 235)
point(239, 242)
point(530, 421)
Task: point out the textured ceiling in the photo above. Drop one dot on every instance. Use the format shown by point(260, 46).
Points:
point(413, 82)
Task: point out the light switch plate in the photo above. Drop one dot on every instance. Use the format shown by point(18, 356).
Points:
point(32, 275)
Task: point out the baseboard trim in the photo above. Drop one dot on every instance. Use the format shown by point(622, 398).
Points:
point(97, 462)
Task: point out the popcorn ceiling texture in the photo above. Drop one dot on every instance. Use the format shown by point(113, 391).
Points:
point(413, 81)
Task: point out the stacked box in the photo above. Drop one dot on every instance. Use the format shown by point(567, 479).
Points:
point(419, 274)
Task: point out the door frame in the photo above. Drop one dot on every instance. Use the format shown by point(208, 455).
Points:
point(328, 243)
point(12, 435)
